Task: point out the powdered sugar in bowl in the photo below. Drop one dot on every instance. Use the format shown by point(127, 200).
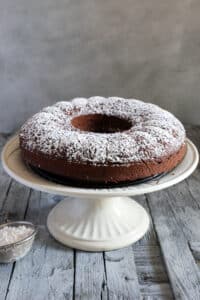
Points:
point(16, 239)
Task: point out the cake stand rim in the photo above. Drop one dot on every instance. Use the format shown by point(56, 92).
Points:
point(46, 186)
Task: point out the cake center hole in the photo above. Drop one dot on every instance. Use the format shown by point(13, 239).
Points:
point(100, 123)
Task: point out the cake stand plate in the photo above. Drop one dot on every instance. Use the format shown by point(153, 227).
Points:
point(96, 219)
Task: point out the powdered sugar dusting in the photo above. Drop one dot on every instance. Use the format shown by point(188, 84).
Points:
point(12, 234)
point(154, 134)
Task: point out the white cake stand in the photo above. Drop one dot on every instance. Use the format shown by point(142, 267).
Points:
point(96, 219)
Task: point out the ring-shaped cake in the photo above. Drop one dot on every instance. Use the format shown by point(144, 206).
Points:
point(103, 140)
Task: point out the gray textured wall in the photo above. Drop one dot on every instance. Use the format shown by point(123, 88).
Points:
point(52, 50)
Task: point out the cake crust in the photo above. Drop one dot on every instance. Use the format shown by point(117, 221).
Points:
point(103, 174)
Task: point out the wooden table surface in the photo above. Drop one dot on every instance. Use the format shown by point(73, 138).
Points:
point(163, 265)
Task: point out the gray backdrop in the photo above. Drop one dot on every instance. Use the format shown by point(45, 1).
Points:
point(52, 50)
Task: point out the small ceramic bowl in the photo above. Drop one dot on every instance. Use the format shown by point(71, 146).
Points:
point(12, 252)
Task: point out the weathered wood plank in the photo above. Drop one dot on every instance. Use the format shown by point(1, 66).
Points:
point(182, 201)
point(5, 276)
point(186, 208)
point(151, 271)
point(185, 203)
point(122, 281)
point(47, 272)
point(150, 268)
point(90, 281)
point(195, 248)
point(156, 292)
point(16, 202)
point(182, 269)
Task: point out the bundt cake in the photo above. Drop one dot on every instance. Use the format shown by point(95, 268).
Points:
point(103, 140)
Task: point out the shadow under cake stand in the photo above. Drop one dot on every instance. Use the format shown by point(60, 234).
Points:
point(96, 219)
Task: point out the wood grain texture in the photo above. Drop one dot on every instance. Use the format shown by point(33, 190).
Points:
point(151, 271)
point(48, 270)
point(163, 265)
point(121, 274)
point(90, 281)
point(176, 216)
point(45, 273)
point(182, 269)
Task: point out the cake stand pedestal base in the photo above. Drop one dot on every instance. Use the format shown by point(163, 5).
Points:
point(98, 224)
